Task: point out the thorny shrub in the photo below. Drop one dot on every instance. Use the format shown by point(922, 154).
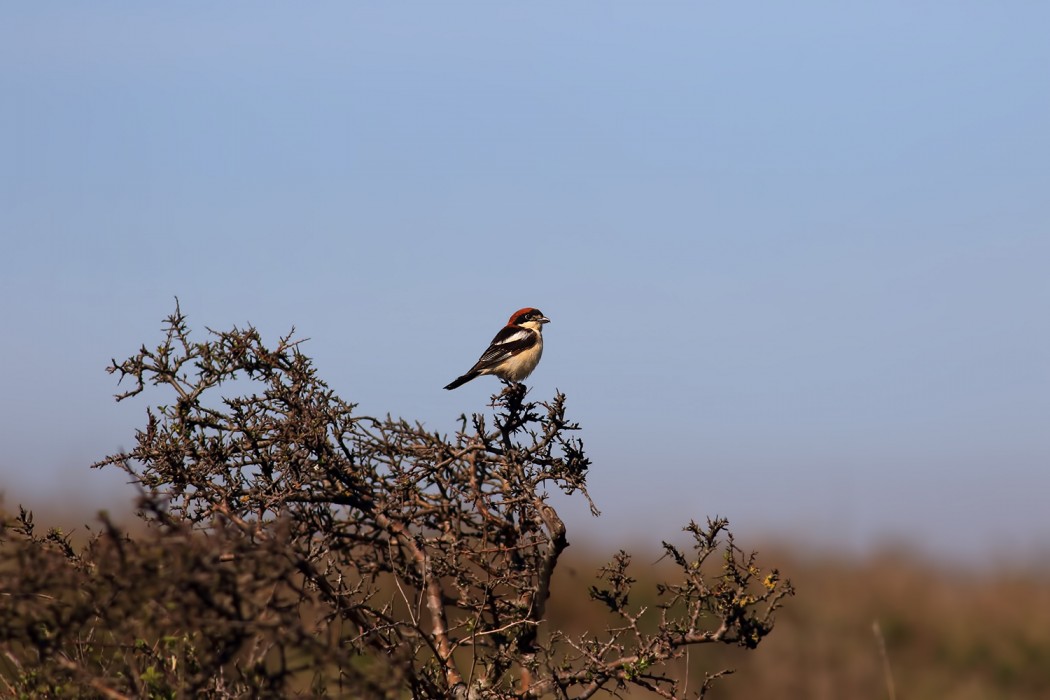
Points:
point(295, 547)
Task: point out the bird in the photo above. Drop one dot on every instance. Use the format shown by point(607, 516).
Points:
point(514, 352)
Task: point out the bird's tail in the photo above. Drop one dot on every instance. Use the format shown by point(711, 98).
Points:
point(463, 380)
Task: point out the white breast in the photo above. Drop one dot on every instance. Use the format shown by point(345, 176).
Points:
point(517, 368)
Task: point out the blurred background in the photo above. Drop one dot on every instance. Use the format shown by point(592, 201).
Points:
point(795, 256)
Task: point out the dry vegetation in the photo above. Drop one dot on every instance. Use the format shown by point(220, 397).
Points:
point(287, 546)
point(964, 634)
point(949, 633)
point(295, 547)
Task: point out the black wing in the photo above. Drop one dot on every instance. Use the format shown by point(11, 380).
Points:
point(510, 341)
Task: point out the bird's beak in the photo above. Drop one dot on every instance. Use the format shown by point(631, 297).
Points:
point(544, 319)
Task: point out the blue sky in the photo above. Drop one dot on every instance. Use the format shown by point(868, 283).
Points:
point(796, 256)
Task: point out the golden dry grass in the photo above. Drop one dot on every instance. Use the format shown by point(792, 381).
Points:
point(949, 633)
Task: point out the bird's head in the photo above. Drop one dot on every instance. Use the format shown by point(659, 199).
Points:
point(529, 318)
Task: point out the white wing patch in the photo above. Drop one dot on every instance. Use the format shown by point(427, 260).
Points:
point(515, 337)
